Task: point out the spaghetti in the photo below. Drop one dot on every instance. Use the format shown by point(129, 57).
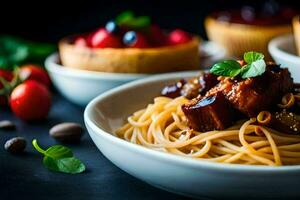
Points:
point(163, 126)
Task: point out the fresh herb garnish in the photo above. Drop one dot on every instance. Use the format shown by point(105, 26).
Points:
point(229, 68)
point(255, 66)
point(60, 158)
point(15, 51)
point(128, 19)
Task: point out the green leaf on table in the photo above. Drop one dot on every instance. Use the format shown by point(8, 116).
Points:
point(60, 158)
point(69, 165)
point(59, 151)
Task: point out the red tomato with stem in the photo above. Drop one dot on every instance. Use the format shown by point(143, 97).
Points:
point(30, 100)
point(8, 76)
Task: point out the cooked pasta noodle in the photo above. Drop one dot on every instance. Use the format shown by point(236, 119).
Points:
point(163, 126)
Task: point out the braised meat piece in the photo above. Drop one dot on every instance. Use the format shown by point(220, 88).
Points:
point(252, 95)
point(286, 122)
point(209, 113)
point(173, 91)
point(219, 107)
point(296, 87)
point(207, 81)
point(191, 88)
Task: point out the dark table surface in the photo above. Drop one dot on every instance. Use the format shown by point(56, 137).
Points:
point(24, 176)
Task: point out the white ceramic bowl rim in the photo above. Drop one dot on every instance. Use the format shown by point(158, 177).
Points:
point(52, 65)
point(180, 160)
point(274, 46)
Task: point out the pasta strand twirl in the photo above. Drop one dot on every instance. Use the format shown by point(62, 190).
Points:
point(162, 126)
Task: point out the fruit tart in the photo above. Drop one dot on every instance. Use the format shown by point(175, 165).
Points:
point(130, 44)
point(296, 26)
point(249, 28)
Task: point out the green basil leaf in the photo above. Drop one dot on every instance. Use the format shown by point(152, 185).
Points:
point(16, 51)
point(50, 163)
point(253, 56)
point(128, 19)
point(254, 69)
point(37, 147)
point(69, 165)
point(59, 151)
point(124, 17)
point(229, 68)
point(60, 158)
point(140, 22)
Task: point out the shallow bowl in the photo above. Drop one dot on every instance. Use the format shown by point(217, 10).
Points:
point(173, 173)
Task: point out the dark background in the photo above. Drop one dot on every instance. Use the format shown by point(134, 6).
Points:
point(51, 20)
point(48, 21)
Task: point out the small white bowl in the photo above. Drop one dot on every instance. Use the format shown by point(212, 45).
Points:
point(81, 86)
point(174, 173)
point(283, 51)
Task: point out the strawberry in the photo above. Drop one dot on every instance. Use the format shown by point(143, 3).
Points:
point(103, 39)
point(157, 36)
point(178, 36)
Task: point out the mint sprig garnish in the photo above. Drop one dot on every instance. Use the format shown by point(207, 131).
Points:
point(60, 158)
point(128, 19)
point(255, 66)
point(229, 68)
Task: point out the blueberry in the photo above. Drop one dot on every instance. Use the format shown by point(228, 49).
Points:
point(248, 13)
point(112, 27)
point(271, 8)
point(130, 38)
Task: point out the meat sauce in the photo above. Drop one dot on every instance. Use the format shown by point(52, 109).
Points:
point(217, 102)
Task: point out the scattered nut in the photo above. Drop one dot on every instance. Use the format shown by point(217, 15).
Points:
point(67, 132)
point(7, 125)
point(15, 145)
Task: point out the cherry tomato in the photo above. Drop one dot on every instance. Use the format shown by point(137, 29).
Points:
point(35, 72)
point(30, 100)
point(8, 76)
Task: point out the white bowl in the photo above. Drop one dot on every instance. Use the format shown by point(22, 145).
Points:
point(174, 173)
point(81, 86)
point(283, 51)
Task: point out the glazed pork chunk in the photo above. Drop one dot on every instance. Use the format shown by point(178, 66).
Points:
point(212, 112)
point(252, 95)
point(233, 97)
point(191, 88)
